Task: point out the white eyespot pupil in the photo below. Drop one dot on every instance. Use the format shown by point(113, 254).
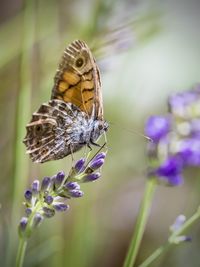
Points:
point(79, 62)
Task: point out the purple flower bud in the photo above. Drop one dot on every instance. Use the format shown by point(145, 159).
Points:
point(28, 195)
point(157, 127)
point(91, 177)
point(101, 155)
point(59, 179)
point(23, 224)
point(188, 238)
point(35, 187)
point(178, 223)
point(48, 213)
point(96, 164)
point(72, 185)
point(37, 219)
point(28, 211)
point(60, 206)
point(79, 166)
point(48, 199)
point(75, 193)
point(180, 239)
point(45, 183)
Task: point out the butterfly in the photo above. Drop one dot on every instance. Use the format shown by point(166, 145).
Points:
point(73, 117)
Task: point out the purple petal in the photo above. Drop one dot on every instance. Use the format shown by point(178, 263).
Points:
point(48, 212)
point(178, 223)
point(96, 164)
point(100, 155)
point(157, 127)
point(79, 166)
point(37, 219)
point(60, 206)
point(23, 224)
point(72, 185)
point(28, 195)
point(35, 187)
point(59, 178)
point(48, 199)
point(171, 167)
point(189, 151)
point(75, 193)
point(45, 183)
point(173, 180)
point(91, 177)
point(28, 211)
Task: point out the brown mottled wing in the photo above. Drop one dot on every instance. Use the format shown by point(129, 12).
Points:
point(47, 135)
point(77, 80)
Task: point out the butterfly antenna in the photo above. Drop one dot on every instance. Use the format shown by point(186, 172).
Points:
point(132, 131)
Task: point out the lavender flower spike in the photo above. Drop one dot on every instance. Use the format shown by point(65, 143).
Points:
point(46, 200)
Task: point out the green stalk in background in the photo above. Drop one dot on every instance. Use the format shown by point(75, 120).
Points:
point(140, 223)
point(174, 239)
point(23, 106)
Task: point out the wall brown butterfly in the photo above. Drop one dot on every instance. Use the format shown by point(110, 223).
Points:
point(74, 115)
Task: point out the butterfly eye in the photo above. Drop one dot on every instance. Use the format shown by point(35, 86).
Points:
point(79, 62)
point(100, 127)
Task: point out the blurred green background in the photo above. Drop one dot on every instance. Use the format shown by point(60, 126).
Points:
point(145, 50)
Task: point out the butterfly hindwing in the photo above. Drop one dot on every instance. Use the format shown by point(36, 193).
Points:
point(47, 137)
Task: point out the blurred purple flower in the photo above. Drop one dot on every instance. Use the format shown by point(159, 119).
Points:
point(176, 137)
point(189, 151)
point(157, 127)
point(171, 171)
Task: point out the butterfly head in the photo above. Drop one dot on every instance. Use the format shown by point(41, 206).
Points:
point(99, 128)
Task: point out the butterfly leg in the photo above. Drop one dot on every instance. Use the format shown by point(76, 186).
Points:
point(94, 144)
point(72, 154)
point(88, 145)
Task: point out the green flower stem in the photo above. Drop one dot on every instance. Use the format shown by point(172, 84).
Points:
point(172, 239)
point(140, 223)
point(21, 252)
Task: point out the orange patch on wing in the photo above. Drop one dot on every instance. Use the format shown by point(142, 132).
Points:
point(63, 86)
point(87, 85)
point(71, 78)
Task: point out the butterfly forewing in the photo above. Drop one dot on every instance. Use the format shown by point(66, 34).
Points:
point(77, 79)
